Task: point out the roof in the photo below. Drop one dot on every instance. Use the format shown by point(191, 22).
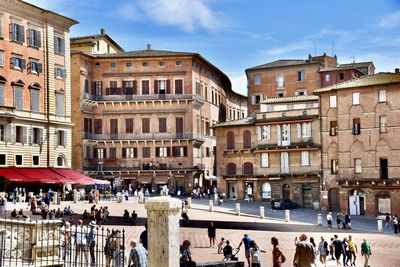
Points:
point(145, 53)
point(84, 39)
point(282, 63)
point(289, 99)
point(363, 81)
point(250, 120)
point(357, 64)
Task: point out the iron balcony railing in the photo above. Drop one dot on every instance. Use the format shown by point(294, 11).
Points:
point(142, 167)
point(145, 136)
point(119, 97)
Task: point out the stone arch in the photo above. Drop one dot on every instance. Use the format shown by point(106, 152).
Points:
point(356, 109)
point(61, 161)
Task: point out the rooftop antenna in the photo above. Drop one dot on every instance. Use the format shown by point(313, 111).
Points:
point(353, 58)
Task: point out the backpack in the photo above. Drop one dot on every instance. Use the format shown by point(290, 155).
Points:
point(326, 247)
point(256, 256)
point(108, 247)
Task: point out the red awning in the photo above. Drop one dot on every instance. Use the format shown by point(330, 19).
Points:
point(11, 175)
point(74, 177)
point(40, 175)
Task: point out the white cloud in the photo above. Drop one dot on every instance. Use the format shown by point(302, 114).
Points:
point(286, 49)
point(390, 21)
point(239, 83)
point(185, 14)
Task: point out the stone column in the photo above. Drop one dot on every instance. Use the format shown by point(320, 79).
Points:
point(262, 213)
point(163, 231)
point(75, 196)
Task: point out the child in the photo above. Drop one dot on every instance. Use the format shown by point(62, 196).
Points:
point(221, 245)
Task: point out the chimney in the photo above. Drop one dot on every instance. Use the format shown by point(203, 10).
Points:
point(102, 31)
point(397, 70)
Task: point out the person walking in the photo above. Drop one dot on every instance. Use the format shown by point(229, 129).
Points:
point(366, 252)
point(323, 250)
point(387, 221)
point(277, 256)
point(91, 241)
point(304, 255)
point(331, 249)
point(329, 219)
point(338, 220)
point(143, 237)
point(246, 241)
point(352, 251)
point(255, 253)
point(80, 233)
point(346, 252)
point(395, 222)
point(312, 241)
point(137, 255)
point(338, 249)
point(211, 231)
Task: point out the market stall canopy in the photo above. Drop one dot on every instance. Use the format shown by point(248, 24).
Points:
point(74, 177)
point(11, 175)
point(40, 175)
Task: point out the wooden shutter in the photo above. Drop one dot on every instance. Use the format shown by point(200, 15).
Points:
point(179, 125)
point(32, 136)
point(246, 139)
point(279, 134)
point(41, 140)
point(134, 89)
point(124, 152)
point(95, 154)
point(145, 125)
point(230, 140)
point(168, 87)
point(185, 151)
point(2, 93)
point(145, 87)
point(65, 138)
point(264, 160)
point(179, 87)
point(298, 130)
point(24, 135)
point(288, 133)
point(168, 152)
point(259, 133)
point(308, 129)
point(114, 126)
point(162, 127)
point(156, 87)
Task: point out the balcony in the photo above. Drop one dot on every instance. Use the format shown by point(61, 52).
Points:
point(134, 98)
point(8, 112)
point(145, 137)
point(141, 167)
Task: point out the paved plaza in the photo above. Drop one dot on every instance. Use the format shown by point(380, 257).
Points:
point(385, 247)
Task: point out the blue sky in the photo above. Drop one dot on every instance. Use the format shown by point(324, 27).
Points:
point(238, 34)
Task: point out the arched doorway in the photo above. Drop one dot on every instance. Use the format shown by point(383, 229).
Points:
point(307, 196)
point(266, 191)
point(356, 202)
point(286, 191)
point(334, 199)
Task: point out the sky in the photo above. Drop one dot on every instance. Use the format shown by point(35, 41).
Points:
point(238, 34)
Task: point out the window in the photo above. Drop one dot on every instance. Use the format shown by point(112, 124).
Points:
point(114, 128)
point(283, 134)
point(356, 98)
point(382, 124)
point(60, 102)
point(37, 136)
point(18, 63)
point(231, 169)
point(178, 86)
point(264, 160)
point(179, 151)
point(248, 168)
point(98, 88)
point(357, 166)
point(35, 161)
point(162, 125)
point(333, 128)
point(129, 125)
point(230, 140)
point(163, 152)
point(304, 130)
point(61, 73)
point(160, 87)
point(178, 63)
point(280, 80)
point(264, 132)
point(98, 126)
point(129, 152)
point(2, 94)
point(86, 87)
point(280, 95)
point(61, 138)
point(113, 153)
point(284, 162)
point(382, 95)
point(113, 65)
point(305, 158)
point(257, 79)
point(383, 165)
point(97, 65)
point(356, 126)
point(17, 32)
point(35, 39)
point(1, 58)
point(300, 92)
point(145, 152)
point(341, 76)
point(145, 64)
point(246, 139)
point(327, 77)
point(145, 87)
point(35, 66)
point(257, 98)
point(129, 87)
point(145, 125)
point(334, 166)
point(1, 26)
point(99, 153)
point(59, 45)
point(18, 97)
point(20, 134)
point(128, 64)
point(2, 156)
point(18, 159)
point(34, 100)
point(332, 101)
point(300, 75)
point(161, 63)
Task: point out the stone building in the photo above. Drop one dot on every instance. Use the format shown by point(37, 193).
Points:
point(274, 154)
point(360, 122)
point(35, 89)
point(144, 117)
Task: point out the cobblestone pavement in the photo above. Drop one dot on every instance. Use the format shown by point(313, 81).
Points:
point(385, 248)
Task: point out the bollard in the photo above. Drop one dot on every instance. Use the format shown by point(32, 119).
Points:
point(380, 228)
point(238, 209)
point(75, 196)
point(319, 220)
point(262, 214)
point(287, 215)
point(211, 205)
point(189, 203)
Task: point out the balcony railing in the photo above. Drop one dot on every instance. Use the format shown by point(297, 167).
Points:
point(142, 167)
point(145, 136)
point(119, 97)
point(6, 109)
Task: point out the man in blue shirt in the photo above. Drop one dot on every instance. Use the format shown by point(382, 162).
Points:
point(246, 241)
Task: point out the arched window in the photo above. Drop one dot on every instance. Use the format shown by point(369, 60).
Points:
point(60, 161)
point(230, 140)
point(231, 169)
point(248, 168)
point(246, 139)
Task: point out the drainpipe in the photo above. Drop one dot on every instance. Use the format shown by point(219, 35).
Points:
point(47, 98)
point(321, 172)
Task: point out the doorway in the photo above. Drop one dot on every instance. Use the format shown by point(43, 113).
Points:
point(307, 196)
point(286, 191)
point(334, 201)
point(383, 168)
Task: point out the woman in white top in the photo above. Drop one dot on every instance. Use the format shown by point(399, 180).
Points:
point(323, 250)
point(255, 253)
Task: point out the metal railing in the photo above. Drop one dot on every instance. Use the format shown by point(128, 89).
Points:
point(145, 136)
point(143, 167)
point(124, 97)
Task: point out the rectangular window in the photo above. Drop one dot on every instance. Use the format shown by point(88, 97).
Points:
point(280, 80)
point(257, 98)
point(34, 100)
point(98, 126)
point(341, 76)
point(17, 32)
point(257, 79)
point(382, 95)
point(162, 125)
point(18, 97)
point(60, 104)
point(113, 65)
point(284, 162)
point(264, 132)
point(333, 128)
point(264, 160)
point(35, 67)
point(100, 153)
point(178, 63)
point(114, 128)
point(2, 159)
point(35, 160)
point(129, 125)
point(1, 58)
point(305, 158)
point(145, 152)
point(113, 153)
point(20, 134)
point(61, 73)
point(332, 101)
point(162, 152)
point(304, 130)
point(145, 125)
point(59, 45)
point(2, 94)
point(129, 88)
point(300, 75)
point(357, 166)
point(383, 164)
point(300, 92)
point(327, 77)
point(356, 98)
point(129, 152)
point(18, 63)
point(35, 39)
point(145, 87)
point(334, 166)
point(356, 126)
point(18, 159)
point(62, 138)
point(179, 151)
point(178, 86)
point(162, 87)
point(382, 124)
point(128, 64)
point(161, 63)
point(36, 135)
point(98, 88)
